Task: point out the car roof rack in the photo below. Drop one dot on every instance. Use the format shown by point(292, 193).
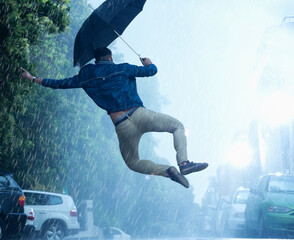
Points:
point(288, 19)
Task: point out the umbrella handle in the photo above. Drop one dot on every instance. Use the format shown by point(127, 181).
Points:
point(126, 43)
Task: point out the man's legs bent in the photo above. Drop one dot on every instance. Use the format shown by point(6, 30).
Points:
point(149, 121)
point(129, 137)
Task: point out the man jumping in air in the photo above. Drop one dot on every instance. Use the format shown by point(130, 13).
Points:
point(113, 88)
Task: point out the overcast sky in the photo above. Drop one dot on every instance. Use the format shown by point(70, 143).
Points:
point(206, 54)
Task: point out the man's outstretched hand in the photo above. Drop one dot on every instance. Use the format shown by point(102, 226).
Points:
point(145, 61)
point(26, 74)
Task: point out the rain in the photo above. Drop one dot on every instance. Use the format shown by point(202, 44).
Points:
point(224, 70)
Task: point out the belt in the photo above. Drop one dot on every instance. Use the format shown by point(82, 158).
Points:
point(125, 116)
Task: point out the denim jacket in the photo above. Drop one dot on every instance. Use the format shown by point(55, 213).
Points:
point(111, 86)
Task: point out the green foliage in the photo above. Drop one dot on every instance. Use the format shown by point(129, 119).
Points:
point(21, 24)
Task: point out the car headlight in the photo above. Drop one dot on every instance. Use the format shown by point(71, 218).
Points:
point(277, 209)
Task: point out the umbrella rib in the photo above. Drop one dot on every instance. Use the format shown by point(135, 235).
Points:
point(113, 28)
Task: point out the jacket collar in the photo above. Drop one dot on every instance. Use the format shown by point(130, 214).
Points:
point(105, 62)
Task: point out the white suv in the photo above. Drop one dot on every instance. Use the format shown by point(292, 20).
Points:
point(55, 214)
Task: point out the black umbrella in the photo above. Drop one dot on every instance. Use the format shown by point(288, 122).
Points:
point(103, 26)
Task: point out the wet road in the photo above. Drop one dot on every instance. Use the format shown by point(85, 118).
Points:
point(97, 238)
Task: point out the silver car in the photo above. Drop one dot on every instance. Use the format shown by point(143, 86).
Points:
point(231, 214)
point(55, 214)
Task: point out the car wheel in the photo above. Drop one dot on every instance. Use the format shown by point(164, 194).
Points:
point(262, 233)
point(2, 227)
point(54, 231)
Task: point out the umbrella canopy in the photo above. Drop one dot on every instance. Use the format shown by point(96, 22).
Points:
point(103, 26)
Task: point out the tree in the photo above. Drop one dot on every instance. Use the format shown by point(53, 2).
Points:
point(22, 24)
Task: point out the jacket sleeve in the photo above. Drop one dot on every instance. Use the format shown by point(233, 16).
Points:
point(71, 82)
point(140, 71)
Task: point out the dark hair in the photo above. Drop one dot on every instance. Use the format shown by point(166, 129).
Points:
point(101, 52)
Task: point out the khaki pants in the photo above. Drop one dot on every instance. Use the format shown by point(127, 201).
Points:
point(130, 131)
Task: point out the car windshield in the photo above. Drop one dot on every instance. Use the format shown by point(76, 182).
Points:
point(281, 184)
point(241, 197)
point(7, 181)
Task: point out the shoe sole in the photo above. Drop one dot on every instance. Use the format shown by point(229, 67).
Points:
point(194, 169)
point(177, 177)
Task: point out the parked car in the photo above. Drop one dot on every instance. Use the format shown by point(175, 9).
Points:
point(12, 200)
point(219, 216)
point(231, 213)
point(270, 205)
point(115, 233)
point(55, 214)
point(209, 214)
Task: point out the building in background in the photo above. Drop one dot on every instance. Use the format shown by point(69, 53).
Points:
point(268, 144)
point(275, 96)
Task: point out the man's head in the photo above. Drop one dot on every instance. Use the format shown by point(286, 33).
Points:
point(102, 54)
